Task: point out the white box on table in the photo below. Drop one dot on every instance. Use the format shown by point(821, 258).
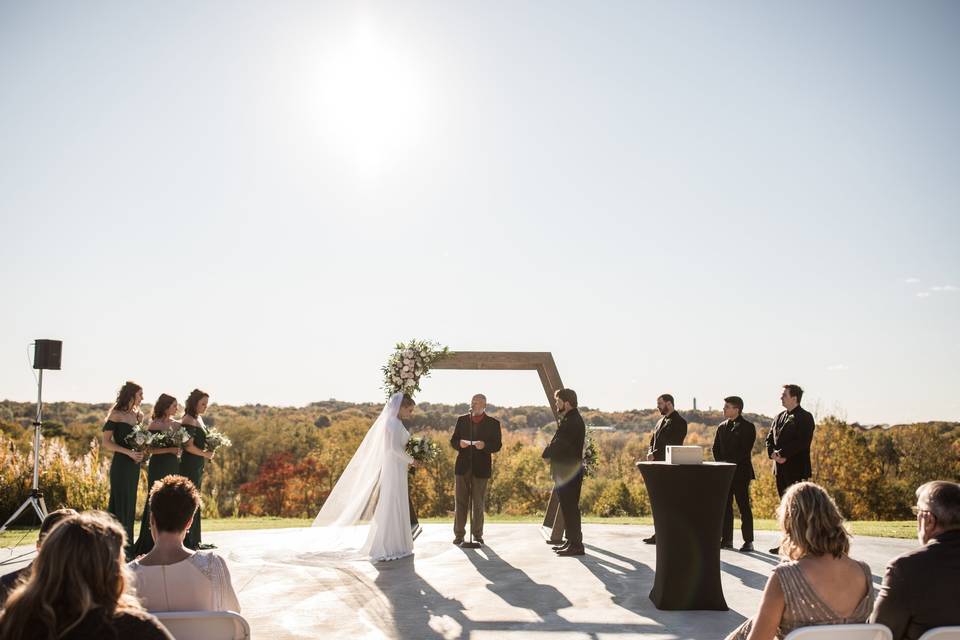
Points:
point(684, 455)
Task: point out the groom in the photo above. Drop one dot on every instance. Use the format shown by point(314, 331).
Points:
point(475, 437)
point(565, 453)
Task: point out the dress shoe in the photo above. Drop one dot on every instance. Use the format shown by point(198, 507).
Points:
point(458, 541)
point(651, 540)
point(726, 545)
point(571, 551)
point(478, 540)
point(561, 547)
point(775, 551)
point(747, 547)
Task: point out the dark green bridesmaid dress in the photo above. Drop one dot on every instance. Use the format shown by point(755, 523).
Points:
point(191, 466)
point(124, 478)
point(159, 467)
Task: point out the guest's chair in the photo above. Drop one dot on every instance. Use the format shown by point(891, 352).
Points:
point(942, 633)
point(204, 625)
point(840, 632)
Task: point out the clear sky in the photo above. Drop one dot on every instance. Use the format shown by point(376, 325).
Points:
point(261, 198)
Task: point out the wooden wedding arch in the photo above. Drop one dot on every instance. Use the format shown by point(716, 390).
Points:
point(539, 361)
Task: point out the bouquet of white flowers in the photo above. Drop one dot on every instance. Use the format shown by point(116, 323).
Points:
point(409, 363)
point(216, 439)
point(139, 439)
point(170, 439)
point(422, 449)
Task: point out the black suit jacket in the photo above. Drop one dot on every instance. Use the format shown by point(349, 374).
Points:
point(471, 458)
point(791, 435)
point(920, 589)
point(9, 581)
point(670, 430)
point(734, 443)
point(565, 451)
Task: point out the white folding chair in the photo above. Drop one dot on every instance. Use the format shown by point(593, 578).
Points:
point(840, 632)
point(942, 633)
point(204, 625)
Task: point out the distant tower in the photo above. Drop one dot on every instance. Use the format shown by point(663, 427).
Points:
point(694, 403)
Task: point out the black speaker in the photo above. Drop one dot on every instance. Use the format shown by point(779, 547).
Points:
point(46, 354)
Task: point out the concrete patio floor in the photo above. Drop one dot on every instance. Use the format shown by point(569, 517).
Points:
point(514, 587)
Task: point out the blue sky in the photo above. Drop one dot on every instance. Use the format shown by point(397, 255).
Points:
point(699, 198)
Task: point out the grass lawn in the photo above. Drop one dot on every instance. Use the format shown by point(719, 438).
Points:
point(906, 529)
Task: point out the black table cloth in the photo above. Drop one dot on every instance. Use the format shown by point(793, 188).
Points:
point(688, 502)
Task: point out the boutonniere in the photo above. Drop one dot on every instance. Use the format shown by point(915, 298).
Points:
point(789, 419)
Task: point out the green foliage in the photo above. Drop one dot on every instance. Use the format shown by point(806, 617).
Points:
point(282, 464)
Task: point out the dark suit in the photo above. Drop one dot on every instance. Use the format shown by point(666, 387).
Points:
point(9, 581)
point(734, 443)
point(670, 430)
point(920, 589)
point(565, 453)
point(472, 471)
point(790, 436)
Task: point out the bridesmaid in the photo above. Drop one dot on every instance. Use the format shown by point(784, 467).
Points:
point(163, 462)
point(125, 466)
point(194, 456)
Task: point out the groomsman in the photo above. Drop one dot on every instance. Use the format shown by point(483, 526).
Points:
point(670, 430)
point(788, 442)
point(734, 443)
point(565, 453)
point(475, 437)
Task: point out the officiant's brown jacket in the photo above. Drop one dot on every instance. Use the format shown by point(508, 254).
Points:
point(471, 458)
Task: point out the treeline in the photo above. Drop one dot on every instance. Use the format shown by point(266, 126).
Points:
point(285, 460)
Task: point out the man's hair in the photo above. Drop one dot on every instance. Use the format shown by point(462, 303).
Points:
point(942, 499)
point(666, 397)
point(795, 391)
point(567, 395)
point(736, 401)
point(479, 395)
point(53, 518)
point(173, 501)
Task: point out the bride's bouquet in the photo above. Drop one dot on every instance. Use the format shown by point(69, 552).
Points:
point(216, 439)
point(422, 449)
point(139, 439)
point(409, 363)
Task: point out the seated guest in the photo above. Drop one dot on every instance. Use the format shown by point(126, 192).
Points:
point(172, 577)
point(820, 584)
point(10, 580)
point(916, 594)
point(78, 588)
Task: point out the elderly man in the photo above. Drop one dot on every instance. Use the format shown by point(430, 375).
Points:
point(919, 590)
point(475, 437)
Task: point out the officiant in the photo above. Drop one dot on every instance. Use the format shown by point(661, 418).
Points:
point(475, 437)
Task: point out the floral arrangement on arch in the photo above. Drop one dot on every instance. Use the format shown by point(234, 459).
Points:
point(409, 363)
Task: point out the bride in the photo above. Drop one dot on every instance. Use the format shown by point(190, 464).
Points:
point(375, 481)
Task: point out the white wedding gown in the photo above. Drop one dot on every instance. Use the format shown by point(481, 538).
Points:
point(375, 478)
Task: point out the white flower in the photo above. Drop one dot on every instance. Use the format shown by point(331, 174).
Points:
point(410, 383)
point(408, 353)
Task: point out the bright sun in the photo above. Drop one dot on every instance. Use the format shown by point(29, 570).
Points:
point(372, 100)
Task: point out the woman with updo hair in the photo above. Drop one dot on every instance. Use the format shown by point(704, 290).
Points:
point(125, 465)
point(164, 461)
point(194, 455)
point(820, 584)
